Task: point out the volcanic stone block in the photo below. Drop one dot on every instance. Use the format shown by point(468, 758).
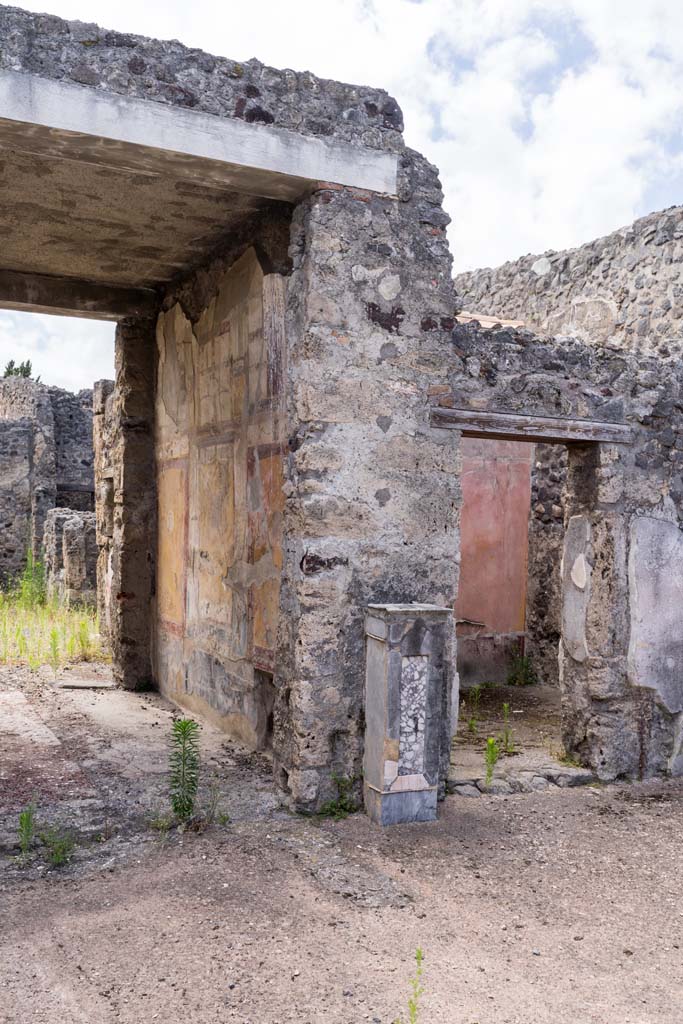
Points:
point(404, 710)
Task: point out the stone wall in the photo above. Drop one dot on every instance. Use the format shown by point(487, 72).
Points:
point(16, 447)
point(369, 504)
point(220, 441)
point(623, 289)
point(104, 448)
point(168, 72)
point(621, 662)
point(58, 458)
point(490, 609)
point(73, 428)
point(546, 535)
point(25, 400)
point(70, 552)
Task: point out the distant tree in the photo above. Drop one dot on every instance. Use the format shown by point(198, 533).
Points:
point(24, 369)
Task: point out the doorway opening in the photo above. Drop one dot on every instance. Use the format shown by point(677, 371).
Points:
point(509, 606)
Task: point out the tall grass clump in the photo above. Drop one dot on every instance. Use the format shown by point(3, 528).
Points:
point(37, 630)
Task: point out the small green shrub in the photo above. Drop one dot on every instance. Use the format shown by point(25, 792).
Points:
point(60, 846)
point(522, 671)
point(184, 767)
point(344, 803)
point(491, 755)
point(416, 991)
point(27, 828)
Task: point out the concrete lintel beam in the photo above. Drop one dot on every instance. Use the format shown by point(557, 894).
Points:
point(41, 293)
point(60, 120)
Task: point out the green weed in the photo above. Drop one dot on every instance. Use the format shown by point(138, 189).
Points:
point(416, 991)
point(522, 671)
point(344, 803)
point(491, 755)
point(27, 827)
point(184, 767)
point(506, 739)
point(60, 846)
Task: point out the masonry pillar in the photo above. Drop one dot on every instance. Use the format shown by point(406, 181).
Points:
point(621, 662)
point(134, 513)
point(372, 490)
point(407, 713)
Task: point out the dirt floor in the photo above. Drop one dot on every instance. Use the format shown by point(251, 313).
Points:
point(560, 906)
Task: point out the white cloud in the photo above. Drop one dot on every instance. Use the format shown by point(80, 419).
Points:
point(64, 351)
point(553, 121)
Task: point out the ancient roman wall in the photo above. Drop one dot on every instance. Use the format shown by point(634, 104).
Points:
point(104, 455)
point(60, 459)
point(620, 659)
point(70, 553)
point(543, 577)
point(16, 447)
point(490, 608)
point(220, 436)
point(73, 429)
point(623, 289)
point(370, 495)
point(25, 399)
point(372, 491)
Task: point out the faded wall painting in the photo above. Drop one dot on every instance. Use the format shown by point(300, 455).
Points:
point(219, 468)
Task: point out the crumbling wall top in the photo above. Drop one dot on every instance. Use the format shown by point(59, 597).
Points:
point(168, 72)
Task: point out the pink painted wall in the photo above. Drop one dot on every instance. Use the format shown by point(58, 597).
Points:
point(496, 486)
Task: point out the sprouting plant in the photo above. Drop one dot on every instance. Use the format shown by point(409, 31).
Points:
point(83, 636)
point(344, 804)
point(54, 649)
point(522, 671)
point(473, 698)
point(491, 755)
point(416, 991)
point(184, 767)
point(27, 827)
point(506, 739)
point(161, 823)
point(60, 846)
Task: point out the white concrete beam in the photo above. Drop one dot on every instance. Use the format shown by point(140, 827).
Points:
point(64, 296)
point(62, 120)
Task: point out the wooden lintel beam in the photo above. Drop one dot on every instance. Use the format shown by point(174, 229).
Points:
point(507, 426)
point(65, 296)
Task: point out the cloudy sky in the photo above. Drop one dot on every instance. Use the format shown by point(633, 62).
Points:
point(552, 121)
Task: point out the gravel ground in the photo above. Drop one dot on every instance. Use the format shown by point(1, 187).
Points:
point(561, 906)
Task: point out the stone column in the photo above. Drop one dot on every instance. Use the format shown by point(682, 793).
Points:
point(407, 712)
point(134, 519)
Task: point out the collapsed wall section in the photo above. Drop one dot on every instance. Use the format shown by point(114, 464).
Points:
point(70, 553)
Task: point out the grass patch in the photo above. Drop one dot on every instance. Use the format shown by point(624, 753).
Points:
point(36, 633)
